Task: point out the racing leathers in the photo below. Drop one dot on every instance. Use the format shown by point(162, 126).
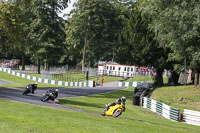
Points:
point(119, 101)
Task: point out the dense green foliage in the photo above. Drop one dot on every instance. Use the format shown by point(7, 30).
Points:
point(176, 25)
point(92, 31)
point(33, 28)
point(152, 33)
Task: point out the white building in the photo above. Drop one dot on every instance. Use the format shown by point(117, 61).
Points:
point(118, 70)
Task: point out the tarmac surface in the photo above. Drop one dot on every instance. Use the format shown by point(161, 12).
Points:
point(16, 94)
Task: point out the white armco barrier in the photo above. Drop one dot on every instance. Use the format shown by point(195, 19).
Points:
point(54, 82)
point(165, 110)
point(191, 117)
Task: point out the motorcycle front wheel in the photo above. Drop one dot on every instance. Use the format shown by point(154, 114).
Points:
point(45, 98)
point(117, 113)
point(25, 92)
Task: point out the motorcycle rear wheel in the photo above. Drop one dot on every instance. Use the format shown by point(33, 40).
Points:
point(117, 113)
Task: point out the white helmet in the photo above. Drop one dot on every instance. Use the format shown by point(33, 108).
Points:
point(35, 83)
point(123, 99)
point(56, 90)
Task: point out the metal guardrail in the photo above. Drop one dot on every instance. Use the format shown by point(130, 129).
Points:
point(48, 81)
point(191, 117)
point(133, 84)
point(163, 109)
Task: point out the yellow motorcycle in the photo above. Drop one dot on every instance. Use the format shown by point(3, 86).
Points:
point(114, 111)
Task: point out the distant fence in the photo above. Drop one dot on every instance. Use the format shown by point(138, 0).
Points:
point(191, 117)
point(70, 76)
point(53, 69)
point(164, 110)
point(48, 81)
point(91, 71)
point(124, 74)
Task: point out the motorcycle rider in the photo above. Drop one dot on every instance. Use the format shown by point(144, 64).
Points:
point(119, 101)
point(54, 92)
point(32, 87)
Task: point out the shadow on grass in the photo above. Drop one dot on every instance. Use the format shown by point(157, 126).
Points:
point(87, 104)
point(116, 95)
point(103, 99)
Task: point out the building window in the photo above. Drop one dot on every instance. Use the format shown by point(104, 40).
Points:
point(119, 68)
point(131, 69)
point(124, 68)
point(110, 67)
point(113, 67)
point(107, 67)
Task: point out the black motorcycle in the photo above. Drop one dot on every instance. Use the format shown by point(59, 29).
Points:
point(27, 90)
point(30, 88)
point(49, 95)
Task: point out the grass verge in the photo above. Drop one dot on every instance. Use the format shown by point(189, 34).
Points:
point(16, 117)
point(182, 97)
point(145, 78)
point(21, 82)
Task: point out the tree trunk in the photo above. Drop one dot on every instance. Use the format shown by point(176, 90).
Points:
point(199, 82)
point(159, 78)
point(175, 77)
point(195, 77)
point(38, 64)
point(48, 66)
point(23, 63)
point(84, 49)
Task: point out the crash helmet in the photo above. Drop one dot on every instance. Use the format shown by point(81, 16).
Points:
point(123, 99)
point(56, 90)
point(35, 84)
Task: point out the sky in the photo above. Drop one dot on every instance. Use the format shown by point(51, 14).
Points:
point(68, 9)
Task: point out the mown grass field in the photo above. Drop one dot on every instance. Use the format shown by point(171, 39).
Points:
point(20, 82)
point(16, 117)
point(172, 95)
point(144, 78)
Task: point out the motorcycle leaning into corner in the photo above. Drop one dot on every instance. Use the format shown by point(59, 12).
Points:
point(50, 95)
point(114, 111)
point(30, 88)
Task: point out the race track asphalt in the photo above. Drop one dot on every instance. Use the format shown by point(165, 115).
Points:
point(16, 94)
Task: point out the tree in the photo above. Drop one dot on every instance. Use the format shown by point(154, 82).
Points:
point(92, 29)
point(139, 46)
point(11, 25)
point(47, 31)
point(177, 27)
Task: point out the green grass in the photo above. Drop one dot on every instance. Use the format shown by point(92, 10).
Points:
point(171, 94)
point(108, 79)
point(21, 82)
point(16, 117)
point(145, 78)
point(139, 78)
